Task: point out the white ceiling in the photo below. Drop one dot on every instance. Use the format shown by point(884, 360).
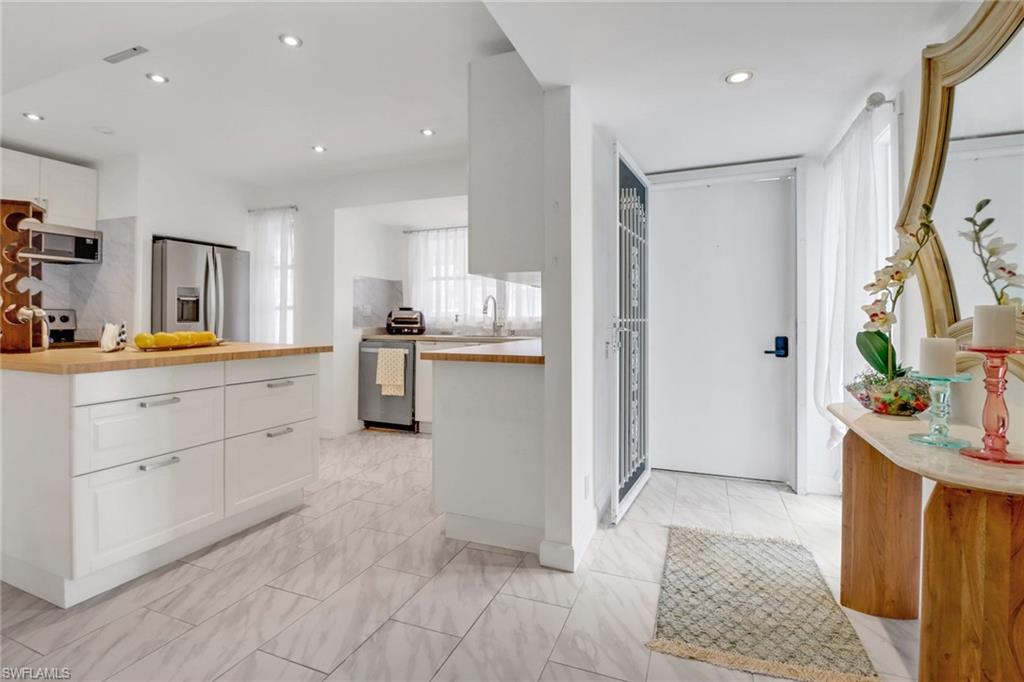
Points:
point(368, 78)
point(652, 73)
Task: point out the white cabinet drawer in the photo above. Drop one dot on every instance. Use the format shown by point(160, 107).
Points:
point(110, 434)
point(263, 465)
point(125, 511)
point(258, 369)
point(102, 387)
point(263, 404)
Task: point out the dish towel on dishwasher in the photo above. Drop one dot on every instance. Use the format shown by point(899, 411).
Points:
point(391, 371)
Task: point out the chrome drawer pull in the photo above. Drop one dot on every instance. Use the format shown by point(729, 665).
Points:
point(279, 384)
point(283, 432)
point(159, 403)
point(159, 465)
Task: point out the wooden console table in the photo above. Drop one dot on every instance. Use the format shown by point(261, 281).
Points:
point(972, 601)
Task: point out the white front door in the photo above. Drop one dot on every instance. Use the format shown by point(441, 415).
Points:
point(722, 288)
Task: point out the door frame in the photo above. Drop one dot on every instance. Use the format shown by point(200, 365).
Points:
point(800, 170)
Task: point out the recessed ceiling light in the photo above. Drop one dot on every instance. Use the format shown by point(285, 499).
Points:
point(737, 77)
point(290, 40)
point(319, 148)
point(103, 130)
point(33, 117)
point(158, 78)
point(426, 132)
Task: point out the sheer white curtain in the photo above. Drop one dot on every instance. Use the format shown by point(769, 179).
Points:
point(272, 235)
point(441, 286)
point(857, 234)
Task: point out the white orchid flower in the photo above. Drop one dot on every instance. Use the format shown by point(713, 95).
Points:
point(898, 274)
point(881, 283)
point(881, 321)
point(997, 247)
point(1007, 272)
point(908, 248)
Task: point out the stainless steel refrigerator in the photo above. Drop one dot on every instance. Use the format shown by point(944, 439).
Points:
point(200, 286)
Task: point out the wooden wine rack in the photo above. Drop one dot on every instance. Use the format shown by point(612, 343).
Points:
point(18, 336)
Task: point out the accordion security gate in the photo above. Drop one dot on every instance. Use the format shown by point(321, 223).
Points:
point(633, 465)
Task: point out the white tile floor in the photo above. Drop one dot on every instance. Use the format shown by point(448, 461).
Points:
point(362, 584)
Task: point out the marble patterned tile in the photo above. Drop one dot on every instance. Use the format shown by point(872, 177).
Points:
point(892, 645)
point(530, 580)
point(262, 667)
point(327, 571)
point(814, 509)
point(747, 520)
point(426, 552)
point(609, 626)
point(218, 589)
point(397, 653)
point(408, 517)
point(401, 488)
point(693, 517)
point(556, 672)
point(633, 550)
point(769, 506)
point(220, 643)
point(510, 641)
point(329, 633)
point(54, 628)
point(17, 606)
point(656, 501)
point(254, 539)
point(665, 668)
point(332, 471)
point(825, 543)
point(116, 645)
point(335, 525)
point(702, 492)
point(393, 468)
point(14, 655)
point(748, 488)
point(455, 597)
point(333, 496)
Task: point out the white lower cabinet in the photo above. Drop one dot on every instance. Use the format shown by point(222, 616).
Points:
point(109, 434)
point(256, 405)
point(124, 511)
point(423, 408)
point(263, 465)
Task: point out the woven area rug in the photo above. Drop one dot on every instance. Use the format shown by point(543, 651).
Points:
point(754, 604)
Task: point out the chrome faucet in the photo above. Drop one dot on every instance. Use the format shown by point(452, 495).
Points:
point(496, 327)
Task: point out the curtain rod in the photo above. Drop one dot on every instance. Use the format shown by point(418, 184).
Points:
point(273, 208)
point(436, 229)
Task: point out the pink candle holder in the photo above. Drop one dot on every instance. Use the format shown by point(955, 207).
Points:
point(995, 418)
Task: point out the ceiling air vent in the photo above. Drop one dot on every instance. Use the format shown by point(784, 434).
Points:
point(125, 54)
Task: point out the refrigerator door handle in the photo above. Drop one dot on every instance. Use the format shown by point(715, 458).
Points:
point(220, 295)
point(210, 317)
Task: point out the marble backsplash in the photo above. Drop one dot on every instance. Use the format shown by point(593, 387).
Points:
point(98, 293)
point(372, 299)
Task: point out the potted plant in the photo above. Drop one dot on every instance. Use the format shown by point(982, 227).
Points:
point(999, 275)
point(887, 387)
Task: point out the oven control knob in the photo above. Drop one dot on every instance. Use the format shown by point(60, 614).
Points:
point(64, 318)
point(51, 318)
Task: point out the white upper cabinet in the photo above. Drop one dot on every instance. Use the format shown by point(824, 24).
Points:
point(66, 191)
point(20, 177)
point(506, 168)
point(69, 193)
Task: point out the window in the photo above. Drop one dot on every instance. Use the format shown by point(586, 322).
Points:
point(442, 288)
point(272, 234)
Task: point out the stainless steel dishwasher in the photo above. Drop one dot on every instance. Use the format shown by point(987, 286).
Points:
point(385, 410)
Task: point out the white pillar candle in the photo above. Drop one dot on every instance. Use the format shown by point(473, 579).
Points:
point(938, 357)
point(995, 326)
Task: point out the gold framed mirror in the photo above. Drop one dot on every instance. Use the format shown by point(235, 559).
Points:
point(956, 65)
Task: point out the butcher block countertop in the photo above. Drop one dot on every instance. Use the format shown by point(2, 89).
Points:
point(87, 360)
point(525, 352)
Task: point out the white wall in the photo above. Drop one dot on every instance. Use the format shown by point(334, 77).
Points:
point(118, 187)
point(569, 276)
point(316, 244)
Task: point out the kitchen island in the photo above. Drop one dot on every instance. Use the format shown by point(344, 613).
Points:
point(489, 443)
point(117, 463)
